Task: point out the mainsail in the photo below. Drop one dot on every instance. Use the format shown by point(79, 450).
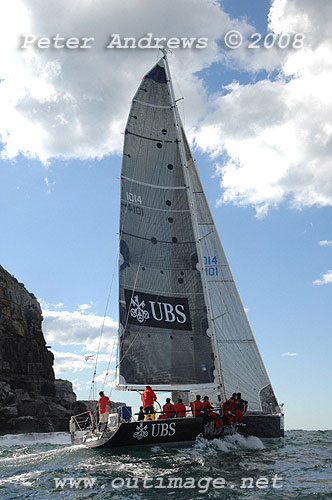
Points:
point(163, 337)
point(182, 324)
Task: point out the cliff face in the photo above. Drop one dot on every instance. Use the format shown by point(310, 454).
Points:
point(24, 359)
point(28, 397)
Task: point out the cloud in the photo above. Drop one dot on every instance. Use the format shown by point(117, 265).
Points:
point(71, 362)
point(326, 278)
point(272, 140)
point(84, 307)
point(274, 137)
point(106, 376)
point(325, 243)
point(76, 385)
point(68, 362)
point(74, 103)
point(289, 354)
point(65, 328)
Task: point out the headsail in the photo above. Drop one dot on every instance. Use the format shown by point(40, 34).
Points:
point(237, 352)
point(164, 340)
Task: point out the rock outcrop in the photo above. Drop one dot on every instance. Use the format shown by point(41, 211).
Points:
point(30, 398)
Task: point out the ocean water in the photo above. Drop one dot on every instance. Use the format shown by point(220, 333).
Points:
point(46, 466)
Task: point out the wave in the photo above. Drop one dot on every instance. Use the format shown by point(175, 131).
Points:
point(229, 443)
point(34, 438)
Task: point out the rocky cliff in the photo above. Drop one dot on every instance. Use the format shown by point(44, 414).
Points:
point(30, 400)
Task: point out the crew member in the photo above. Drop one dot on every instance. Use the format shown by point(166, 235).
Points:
point(241, 409)
point(207, 408)
point(148, 397)
point(180, 409)
point(196, 406)
point(206, 405)
point(168, 409)
point(103, 404)
point(228, 410)
point(140, 413)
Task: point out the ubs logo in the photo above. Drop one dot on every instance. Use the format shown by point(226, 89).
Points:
point(161, 430)
point(157, 311)
point(138, 310)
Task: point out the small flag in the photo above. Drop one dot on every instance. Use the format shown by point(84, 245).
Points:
point(90, 357)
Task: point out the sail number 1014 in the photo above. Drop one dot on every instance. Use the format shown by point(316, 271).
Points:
point(134, 199)
point(210, 264)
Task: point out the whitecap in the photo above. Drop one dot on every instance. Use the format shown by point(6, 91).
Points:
point(34, 438)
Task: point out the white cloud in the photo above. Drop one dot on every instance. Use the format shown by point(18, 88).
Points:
point(67, 103)
point(84, 307)
point(276, 136)
point(76, 385)
point(72, 362)
point(289, 354)
point(106, 376)
point(68, 362)
point(325, 243)
point(326, 278)
point(65, 328)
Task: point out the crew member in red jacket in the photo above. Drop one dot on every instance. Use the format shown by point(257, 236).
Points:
point(180, 409)
point(103, 404)
point(196, 406)
point(168, 409)
point(148, 397)
point(207, 407)
point(241, 408)
point(228, 410)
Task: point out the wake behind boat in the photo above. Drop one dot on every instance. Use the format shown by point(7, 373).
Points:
point(182, 326)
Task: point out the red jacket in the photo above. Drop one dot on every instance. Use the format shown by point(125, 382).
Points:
point(102, 403)
point(180, 409)
point(148, 397)
point(169, 410)
point(229, 405)
point(196, 407)
point(206, 405)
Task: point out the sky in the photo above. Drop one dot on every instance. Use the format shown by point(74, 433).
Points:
point(259, 120)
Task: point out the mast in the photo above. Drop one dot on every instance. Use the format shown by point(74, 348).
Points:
point(185, 167)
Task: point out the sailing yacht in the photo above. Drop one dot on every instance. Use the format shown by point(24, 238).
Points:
point(182, 326)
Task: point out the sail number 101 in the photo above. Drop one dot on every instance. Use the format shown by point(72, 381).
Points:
point(134, 200)
point(210, 264)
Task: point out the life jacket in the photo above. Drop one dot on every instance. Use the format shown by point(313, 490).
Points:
point(180, 409)
point(196, 407)
point(102, 403)
point(169, 410)
point(148, 397)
